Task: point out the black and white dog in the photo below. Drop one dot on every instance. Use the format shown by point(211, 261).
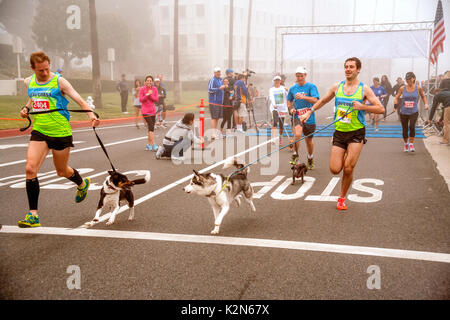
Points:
point(116, 188)
point(220, 192)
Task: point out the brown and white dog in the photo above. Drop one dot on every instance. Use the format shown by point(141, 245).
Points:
point(220, 192)
point(116, 188)
point(298, 171)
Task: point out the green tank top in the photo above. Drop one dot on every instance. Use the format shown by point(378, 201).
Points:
point(343, 103)
point(48, 96)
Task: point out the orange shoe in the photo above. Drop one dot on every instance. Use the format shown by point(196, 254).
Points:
point(341, 204)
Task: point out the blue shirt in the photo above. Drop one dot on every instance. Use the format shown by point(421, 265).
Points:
point(215, 94)
point(241, 91)
point(309, 90)
point(380, 91)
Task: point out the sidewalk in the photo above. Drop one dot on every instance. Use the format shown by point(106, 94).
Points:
point(441, 155)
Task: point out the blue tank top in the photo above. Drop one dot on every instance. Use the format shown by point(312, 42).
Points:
point(409, 102)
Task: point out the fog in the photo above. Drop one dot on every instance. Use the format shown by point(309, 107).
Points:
point(141, 33)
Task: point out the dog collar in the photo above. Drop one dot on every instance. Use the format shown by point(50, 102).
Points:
point(110, 186)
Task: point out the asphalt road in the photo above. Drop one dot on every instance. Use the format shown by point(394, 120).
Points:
point(399, 201)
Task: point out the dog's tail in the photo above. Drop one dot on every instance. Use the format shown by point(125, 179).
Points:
point(142, 180)
point(238, 163)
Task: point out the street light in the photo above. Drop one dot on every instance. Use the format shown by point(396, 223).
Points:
point(18, 49)
point(111, 59)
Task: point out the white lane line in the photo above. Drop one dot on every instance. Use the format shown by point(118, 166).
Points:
point(77, 150)
point(234, 241)
point(106, 216)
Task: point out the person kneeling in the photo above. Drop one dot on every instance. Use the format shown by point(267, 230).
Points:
point(178, 139)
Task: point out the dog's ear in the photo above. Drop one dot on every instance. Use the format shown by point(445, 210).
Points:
point(111, 172)
point(196, 173)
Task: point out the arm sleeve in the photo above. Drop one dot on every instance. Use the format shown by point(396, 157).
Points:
point(290, 96)
point(314, 92)
point(211, 86)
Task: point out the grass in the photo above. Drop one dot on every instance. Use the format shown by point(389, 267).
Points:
point(10, 107)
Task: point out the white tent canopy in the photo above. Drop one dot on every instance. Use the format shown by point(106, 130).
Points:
point(365, 45)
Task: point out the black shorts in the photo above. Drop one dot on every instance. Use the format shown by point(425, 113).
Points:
point(308, 129)
point(56, 143)
point(150, 122)
point(343, 139)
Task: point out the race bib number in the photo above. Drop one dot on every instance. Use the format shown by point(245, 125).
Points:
point(301, 112)
point(409, 104)
point(40, 105)
point(347, 118)
point(282, 114)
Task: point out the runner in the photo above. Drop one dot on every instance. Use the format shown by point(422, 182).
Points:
point(278, 106)
point(381, 94)
point(349, 136)
point(304, 94)
point(51, 131)
point(148, 96)
point(409, 109)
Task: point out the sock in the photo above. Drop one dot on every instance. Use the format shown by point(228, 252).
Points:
point(76, 178)
point(32, 186)
point(310, 156)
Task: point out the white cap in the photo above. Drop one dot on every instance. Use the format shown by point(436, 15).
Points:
point(157, 79)
point(301, 70)
point(216, 69)
point(276, 78)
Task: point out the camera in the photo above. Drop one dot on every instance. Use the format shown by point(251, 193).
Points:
point(248, 73)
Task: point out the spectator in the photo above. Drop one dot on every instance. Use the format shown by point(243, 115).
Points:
point(381, 94)
point(395, 90)
point(386, 84)
point(136, 102)
point(122, 87)
point(160, 104)
point(232, 78)
point(178, 139)
point(443, 96)
point(163, 114)
point(227, 107)
point(148, 95)
point(241, 92)
point(59, 71)
point(215, 90)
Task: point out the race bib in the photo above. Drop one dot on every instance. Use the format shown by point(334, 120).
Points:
point(40, 105)
point(408, 104)
point(282, 114)
point(347, 118)
point(301, 112)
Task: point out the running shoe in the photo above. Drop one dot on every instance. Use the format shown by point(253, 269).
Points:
point(310, 164)
point(82, 193)
point(294, 159)
point(341, 204)
point(155, 147)
point(30, 221)
point(149, 147)
point(406, 148)
point(411, 148)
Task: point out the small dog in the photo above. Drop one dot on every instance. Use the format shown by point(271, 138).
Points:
point(116, 188)
point(298, 171)
point(220, 192)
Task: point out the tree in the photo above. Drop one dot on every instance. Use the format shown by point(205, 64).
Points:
point(51, 33)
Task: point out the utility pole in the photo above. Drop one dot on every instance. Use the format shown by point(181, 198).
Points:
point(176, 70)
point(230, 37)
point(249, 23)
point(96, 83)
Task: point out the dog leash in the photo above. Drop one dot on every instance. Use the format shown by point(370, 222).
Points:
point(304, 137)
point(72, 110)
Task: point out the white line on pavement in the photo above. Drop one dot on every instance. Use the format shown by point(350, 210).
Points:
point(252, 242)
point(106, 216)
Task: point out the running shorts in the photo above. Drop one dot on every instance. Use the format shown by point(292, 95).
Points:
point(56, 143)
point(343, 139)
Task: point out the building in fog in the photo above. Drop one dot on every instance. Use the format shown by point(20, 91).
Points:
point(204, 34)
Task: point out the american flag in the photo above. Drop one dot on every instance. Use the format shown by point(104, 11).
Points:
point(437, 46)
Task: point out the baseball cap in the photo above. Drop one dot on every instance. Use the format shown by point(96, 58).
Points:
point(276, 78)
point(216, 69)
point(301, 70)
point(229, 70)
point(59, 70)
point(157, 79)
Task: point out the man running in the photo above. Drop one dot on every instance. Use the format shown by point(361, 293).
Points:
point(304, 95)
point(349, 136)
point(51, 131)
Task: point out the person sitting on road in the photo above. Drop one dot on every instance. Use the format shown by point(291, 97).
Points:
point(179, 138)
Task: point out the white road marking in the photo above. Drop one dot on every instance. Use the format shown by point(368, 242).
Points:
point(106, 216)
point(76, 151)
point(251, 242)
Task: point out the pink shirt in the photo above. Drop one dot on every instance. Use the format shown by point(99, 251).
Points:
point(148, 101)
